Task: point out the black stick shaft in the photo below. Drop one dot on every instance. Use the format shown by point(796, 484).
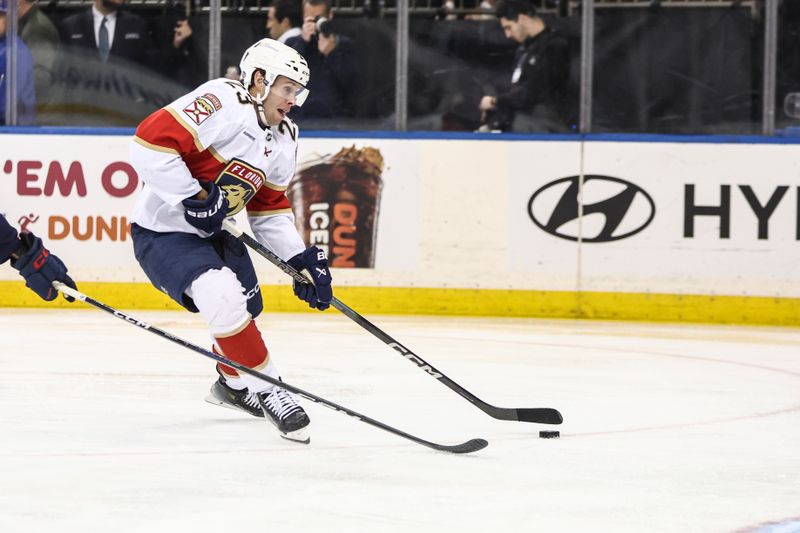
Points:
point(541, 415)
point(466, 447)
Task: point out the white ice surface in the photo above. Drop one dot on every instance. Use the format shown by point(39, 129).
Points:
point(672, 428)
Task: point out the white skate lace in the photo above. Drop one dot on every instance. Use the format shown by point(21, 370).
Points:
point(280, 402)
point(252, 400)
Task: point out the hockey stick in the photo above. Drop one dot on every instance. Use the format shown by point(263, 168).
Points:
point(472, 445)
point(541, 415)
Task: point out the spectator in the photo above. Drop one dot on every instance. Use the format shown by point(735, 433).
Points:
point(26, 93)
point(284, 19)
point(173, 32)
point(41, 37)
point(540, 77)
point(118, 34)
point(488, 7)
point(331, 60)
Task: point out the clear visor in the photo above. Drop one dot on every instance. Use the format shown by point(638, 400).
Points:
point(293, 92)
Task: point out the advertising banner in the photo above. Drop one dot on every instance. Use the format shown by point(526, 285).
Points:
point(670, 218)
point(536, 258)
point(359, 201)
point(77, 193)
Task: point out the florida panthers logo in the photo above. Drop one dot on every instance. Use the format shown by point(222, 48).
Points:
point(201, 108)
point(241, 182)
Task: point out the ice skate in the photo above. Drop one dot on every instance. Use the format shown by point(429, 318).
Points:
point(242, 400)
point(281, 408)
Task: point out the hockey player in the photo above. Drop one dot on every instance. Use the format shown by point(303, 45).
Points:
point(224, 147)
point(35, 263)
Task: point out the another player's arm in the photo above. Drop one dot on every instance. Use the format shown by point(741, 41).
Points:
point(35, 263)
point(9, 242)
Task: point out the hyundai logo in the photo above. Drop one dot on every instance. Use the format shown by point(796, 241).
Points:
point(613, 208)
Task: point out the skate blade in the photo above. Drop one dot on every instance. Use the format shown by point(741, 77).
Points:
point(301, 436)
point(213, 400)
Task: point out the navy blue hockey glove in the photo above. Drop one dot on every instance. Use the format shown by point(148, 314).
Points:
point(40, 268)
point(207, 215)
point(319, 294)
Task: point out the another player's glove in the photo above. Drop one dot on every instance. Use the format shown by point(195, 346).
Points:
point(207, 215)
point(318, 294)
point(40, 268)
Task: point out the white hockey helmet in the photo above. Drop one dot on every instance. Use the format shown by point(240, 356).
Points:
point(275, 59)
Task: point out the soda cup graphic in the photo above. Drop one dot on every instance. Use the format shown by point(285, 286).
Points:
point(336, 199)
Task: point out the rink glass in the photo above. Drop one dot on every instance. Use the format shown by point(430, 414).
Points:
point(657, 67)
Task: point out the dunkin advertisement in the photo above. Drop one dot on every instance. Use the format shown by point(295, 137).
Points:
point(359, 200)
point(336, 202)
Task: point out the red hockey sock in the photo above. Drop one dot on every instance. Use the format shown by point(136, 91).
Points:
point(225, 370)
point(245, 347)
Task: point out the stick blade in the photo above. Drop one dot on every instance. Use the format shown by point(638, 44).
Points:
point(466, 447)
point(539, 415)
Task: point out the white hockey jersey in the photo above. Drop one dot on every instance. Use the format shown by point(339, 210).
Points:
point(212, 134)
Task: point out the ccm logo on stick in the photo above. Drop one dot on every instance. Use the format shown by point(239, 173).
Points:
point(132, 320)
point(405, 352)
point(613, 208)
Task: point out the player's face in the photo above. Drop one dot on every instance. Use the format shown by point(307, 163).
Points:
point(512, 29)
point(282, 96)
point(2, 25)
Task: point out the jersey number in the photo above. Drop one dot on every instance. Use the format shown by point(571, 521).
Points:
point(243, 97)
point(283, 126)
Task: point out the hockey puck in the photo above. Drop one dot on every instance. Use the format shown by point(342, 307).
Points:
point(549, 434)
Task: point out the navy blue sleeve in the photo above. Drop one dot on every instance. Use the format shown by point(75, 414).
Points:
point(8, 239)
point(298, 44)
point(342, 63)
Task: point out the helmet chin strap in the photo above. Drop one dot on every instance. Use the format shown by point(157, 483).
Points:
point(261, 115)
point(260, 99)
point(258, 105)
point(267, 84)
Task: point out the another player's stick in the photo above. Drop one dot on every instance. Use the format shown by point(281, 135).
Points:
point(541, 415)
point(466, 447)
